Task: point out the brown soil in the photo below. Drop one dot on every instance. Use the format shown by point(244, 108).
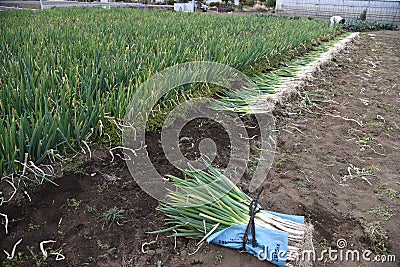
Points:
point(347, 117)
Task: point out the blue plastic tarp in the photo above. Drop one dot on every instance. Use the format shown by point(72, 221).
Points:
point(272, 245)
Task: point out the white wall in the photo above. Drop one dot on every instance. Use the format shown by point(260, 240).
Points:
point(183, 7)
point(378, 10)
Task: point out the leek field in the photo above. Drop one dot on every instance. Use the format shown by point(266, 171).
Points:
point(65, 74)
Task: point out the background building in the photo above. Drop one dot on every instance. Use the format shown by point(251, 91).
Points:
point(378, 10)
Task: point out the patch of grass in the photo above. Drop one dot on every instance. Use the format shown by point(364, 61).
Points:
point(73, 203)
point(127, 183)
point(39, 258)
point(353, 202)
point(205, 249)
point(252, 165)
point(392, 194)
point(385, 212)
point(375, 124)
point(32, 226)
point(111, 251)
point(113, 215)
point(302, 184)
point(101, 188)
point(387, 108)
point(18, 260)
point(281, 162)
point(325, 84)
point(76, 168)
point(378, 236)
point(218, 258)
point(108, 249)
point(159, 143)
point(364, 141)
point(102, 246)
point(324, 158)
point(91, 209)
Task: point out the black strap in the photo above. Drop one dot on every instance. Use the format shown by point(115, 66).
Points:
point(253, 209)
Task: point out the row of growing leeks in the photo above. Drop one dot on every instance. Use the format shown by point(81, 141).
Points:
point(64, 73)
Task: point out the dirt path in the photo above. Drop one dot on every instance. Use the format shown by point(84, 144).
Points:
point(339, 157)
point(337, 163)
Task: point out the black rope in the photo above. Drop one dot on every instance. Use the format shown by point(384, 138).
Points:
point(253, 209)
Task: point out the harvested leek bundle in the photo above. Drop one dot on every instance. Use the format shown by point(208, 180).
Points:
point(245, 100)
point(199, 210)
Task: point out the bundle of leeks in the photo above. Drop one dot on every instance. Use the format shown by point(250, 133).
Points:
point(208, 202)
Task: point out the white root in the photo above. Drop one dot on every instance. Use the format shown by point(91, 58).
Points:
point(197, 249)
point(44, 252)
point(10, 257)
point(146, 244)
point(13, 193)
point(175, 240)
point(25, 161)
point(381, 118)
point(37, 172)
point(27, 195)
point(126, 156)
point(347, 119)
point(208, 234)
point(6, 223)
point(88, 148)
point(59, 256)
